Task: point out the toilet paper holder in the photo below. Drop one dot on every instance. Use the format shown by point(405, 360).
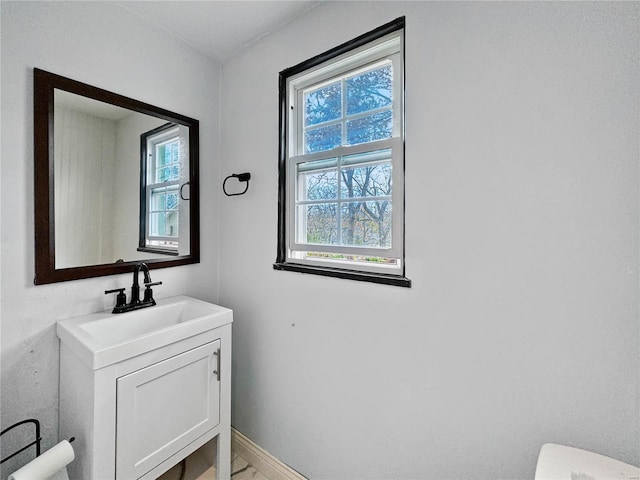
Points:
point(36, 442)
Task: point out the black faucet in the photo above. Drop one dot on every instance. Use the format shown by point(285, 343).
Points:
point(135, 303)
point(135, 288)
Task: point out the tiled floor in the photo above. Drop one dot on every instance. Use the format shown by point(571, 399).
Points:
point(240, 470)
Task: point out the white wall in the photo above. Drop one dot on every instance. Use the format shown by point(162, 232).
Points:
point(521, 241)
point(100, 44)
point(84, 162)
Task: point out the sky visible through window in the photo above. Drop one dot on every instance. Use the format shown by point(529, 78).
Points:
point(350, 111)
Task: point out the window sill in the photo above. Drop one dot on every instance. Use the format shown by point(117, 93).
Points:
point(158, 250)
point(394, 280)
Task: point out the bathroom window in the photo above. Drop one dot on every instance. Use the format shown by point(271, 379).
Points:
point(160, 172)
point(341, 192)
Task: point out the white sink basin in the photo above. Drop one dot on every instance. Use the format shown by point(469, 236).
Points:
point(101, 339)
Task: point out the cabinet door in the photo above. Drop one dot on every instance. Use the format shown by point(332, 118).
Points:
point(164, 407)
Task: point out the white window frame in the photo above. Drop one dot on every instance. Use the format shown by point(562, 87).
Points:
point(153, 141)
point(384, 49)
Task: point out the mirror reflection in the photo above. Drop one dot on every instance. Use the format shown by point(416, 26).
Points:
point(118, 176)
point(115, 182)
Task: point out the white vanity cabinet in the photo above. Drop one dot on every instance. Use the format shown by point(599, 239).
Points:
point(164, 407)
point(134, 416)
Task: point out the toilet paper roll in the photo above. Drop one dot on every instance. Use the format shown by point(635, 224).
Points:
point(47, 465)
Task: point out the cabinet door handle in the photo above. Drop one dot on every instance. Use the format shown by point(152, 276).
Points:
point(217, 370)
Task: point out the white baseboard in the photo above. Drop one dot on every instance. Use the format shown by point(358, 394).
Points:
point(263, 461)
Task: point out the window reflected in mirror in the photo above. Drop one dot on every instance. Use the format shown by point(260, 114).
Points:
point(163, 178)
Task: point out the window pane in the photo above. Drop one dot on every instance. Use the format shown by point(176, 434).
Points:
point(163, 175)
point(172, 201)
point(370, 90)
point(323, 104)
point(157, 223)
point(366, 181)
point(323, 138)
point(370, 128)
point(366, 224)
point(164, 199)
point(161, 158)
point(163, 224)
point(167, 174)
point(175, 151)
point(158, 199)
point(168, 162)
point(317, 184)
point(172, 223)
point(321, 222)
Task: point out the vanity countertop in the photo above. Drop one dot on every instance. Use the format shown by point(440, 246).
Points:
point(104, 338)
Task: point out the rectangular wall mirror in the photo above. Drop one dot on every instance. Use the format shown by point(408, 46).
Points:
point(116, 182)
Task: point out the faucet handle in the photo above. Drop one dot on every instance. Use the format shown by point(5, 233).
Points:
point(121, 299)
point(148, 292)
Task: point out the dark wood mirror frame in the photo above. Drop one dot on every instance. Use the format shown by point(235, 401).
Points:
point(43, 103)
